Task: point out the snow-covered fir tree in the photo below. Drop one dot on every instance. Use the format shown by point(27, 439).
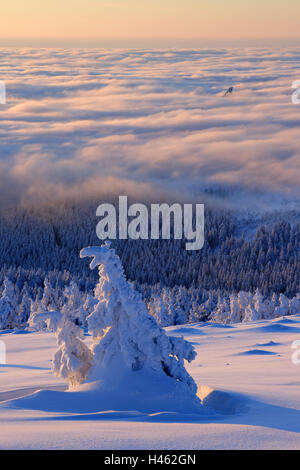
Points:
point(283, 308)
point(243, 301)
point(49, 299)
point(24, 307)
point(36, 308)
point(294, 305)
point(123, 331)
point(222, 313)
point(197, 313)
point(160, 311)
point(74, 305)
point(8, 306)
point(235, 310)
point(73, 358)
point(251, 314)
point(263, 308)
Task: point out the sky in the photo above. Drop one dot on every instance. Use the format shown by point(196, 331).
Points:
point(148, 120)
point(151, 124)
point(92, 21)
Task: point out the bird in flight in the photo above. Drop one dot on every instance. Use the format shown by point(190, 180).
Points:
point(229, 91)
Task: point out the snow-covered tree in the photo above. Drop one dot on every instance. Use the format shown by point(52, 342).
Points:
point(243, 301)
point(283, 308)
point(8, 306)
point(269, 308)
point(210, 304)
point(294, 305)
point(275, 300)
point(260, 306)
point(180, 307)
point(36, 308)
point(160, 311)
point(251, 314)
point(74, 306)
point(197, 313)
point(222, 312)
point(125, 333)
point(235, 310)
point(49, 299)
point(24, 308)
point(73, 358)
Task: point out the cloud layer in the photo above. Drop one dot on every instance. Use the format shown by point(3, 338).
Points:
point(148, 122)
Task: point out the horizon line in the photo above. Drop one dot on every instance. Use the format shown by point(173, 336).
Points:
point(126, 42)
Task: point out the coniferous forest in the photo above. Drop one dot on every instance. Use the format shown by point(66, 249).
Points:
point(245, 253)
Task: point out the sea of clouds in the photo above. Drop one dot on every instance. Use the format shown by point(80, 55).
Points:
point(151, 123)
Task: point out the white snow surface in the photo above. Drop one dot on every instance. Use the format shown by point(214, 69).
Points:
point(246, 380)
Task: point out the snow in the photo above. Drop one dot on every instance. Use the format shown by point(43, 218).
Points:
point(250, 399)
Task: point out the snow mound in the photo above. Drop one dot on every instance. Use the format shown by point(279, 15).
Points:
point(257, 352)
point(287, 321)
point(143, 392)
point(219, 325)
point(278, 327)
point(24, 392)
point(147, 398)
point(222, 402)
point(186, 330)
point(270, 343)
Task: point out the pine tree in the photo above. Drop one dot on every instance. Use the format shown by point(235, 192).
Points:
point(251, 314)
point(260, 306)
point(294, 305)
point(123, 331)
point(159, 310)
point(49, 299)
point(74, 304)
point(24, 308)
point(73, 358)
point(235, 310)
point(222, 312)
point(283, 308)
point(8, 306)
point(36, 308)
point(243, 301)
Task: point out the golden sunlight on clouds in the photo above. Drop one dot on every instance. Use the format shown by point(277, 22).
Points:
point(81, 121)
point(186, 19)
